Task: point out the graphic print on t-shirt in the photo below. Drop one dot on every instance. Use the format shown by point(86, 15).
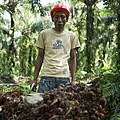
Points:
point(57, 44)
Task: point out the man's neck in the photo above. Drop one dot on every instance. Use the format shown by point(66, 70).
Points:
point(59, 30)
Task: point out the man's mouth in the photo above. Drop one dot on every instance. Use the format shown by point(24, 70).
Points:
point(59, 24)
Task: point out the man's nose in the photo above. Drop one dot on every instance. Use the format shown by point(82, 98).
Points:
point(59, 19)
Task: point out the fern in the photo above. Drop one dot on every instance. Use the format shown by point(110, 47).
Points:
point(110, 84)
point(115, 117)
point(110, 89)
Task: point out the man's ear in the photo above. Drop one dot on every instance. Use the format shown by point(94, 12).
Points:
point(66, 18)
point(52, 19)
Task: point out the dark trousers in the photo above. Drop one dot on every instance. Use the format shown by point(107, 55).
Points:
point(49, 83)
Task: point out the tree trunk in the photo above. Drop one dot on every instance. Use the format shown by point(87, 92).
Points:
point(89, 35)
point(12, 51)
point(118, 40)
point(29, 60)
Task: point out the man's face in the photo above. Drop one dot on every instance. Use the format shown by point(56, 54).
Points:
point(59, 20)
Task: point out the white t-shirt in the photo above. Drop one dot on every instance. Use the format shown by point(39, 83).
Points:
point(57, 46)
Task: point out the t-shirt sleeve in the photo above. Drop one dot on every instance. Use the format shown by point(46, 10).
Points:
point(74, 41)
point(40, 41)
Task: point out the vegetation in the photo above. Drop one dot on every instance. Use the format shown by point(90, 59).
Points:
point(98, 30)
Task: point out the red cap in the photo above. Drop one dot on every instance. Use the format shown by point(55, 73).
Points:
point(60, 7)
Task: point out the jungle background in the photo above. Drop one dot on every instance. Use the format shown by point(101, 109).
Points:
point(95, 22)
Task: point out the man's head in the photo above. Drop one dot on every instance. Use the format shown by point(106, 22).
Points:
point(59, 15)
point(60, 7)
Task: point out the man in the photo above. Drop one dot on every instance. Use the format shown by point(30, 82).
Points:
point(55, 46)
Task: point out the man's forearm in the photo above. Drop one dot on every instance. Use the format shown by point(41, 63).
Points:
point(38, 65)
point(73, 65)
point(73, 69)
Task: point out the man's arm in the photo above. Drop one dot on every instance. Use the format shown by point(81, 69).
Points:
point(73, 65)
point(38, 64)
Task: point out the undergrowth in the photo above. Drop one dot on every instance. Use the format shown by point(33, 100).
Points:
point(110, 84)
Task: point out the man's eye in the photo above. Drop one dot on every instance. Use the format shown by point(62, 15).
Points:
point(56, 17)
point(63, 17)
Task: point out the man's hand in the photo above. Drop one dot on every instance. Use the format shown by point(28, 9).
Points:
point(73, 82)
point(33, 86)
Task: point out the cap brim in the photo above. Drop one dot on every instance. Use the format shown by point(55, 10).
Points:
point(60, 9)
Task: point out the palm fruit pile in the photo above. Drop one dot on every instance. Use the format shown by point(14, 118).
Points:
point(83, 101)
